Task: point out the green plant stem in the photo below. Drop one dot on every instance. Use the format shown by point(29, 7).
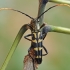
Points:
point(14, 46)
point(60, 1)
point(40, 11)
point(59, 29)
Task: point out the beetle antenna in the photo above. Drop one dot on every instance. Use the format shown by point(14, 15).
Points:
point(17, 11)
point(53, 7)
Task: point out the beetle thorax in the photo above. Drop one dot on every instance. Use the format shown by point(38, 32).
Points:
point(35, 25)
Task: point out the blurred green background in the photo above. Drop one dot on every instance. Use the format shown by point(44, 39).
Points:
point(58, 45)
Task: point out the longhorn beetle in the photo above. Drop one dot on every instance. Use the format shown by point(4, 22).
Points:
point(38, 34)
point(36, 42)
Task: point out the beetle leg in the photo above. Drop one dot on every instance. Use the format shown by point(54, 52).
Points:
point(28, 36)
point(45, 51)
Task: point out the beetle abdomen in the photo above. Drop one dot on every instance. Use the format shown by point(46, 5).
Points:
point(39, 60)
point(38, 53)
